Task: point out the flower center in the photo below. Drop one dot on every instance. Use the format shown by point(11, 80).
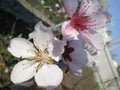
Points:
point(43, 58)
point(79, 22)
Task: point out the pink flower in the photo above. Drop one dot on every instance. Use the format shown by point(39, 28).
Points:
point(86, 14)
point(79, 31)
point(89, 36)
point(85, 17)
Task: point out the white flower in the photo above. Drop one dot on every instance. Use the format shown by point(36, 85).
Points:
point(38, 58)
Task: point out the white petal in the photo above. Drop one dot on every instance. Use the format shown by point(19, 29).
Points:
point(20, 47)
point(41, 36)
point(56, 48)
point(49, 76)
point(23, 71)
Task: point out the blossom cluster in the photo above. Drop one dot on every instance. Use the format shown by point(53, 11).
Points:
point(79, 47)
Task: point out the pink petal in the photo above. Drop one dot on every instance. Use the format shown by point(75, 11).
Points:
point(89, 7)
point(70, 6)
point(68, 31)
point(100, 20)
point(80, 56)
point(93, 38)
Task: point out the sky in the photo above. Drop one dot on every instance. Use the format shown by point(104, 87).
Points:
point(114, 9)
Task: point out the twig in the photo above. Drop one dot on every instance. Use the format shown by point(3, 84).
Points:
point(13, 26)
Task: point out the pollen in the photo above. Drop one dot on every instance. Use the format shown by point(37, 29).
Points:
point(43, 57)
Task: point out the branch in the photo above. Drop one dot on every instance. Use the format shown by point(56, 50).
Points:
point(5, 42)
point(36, 12)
